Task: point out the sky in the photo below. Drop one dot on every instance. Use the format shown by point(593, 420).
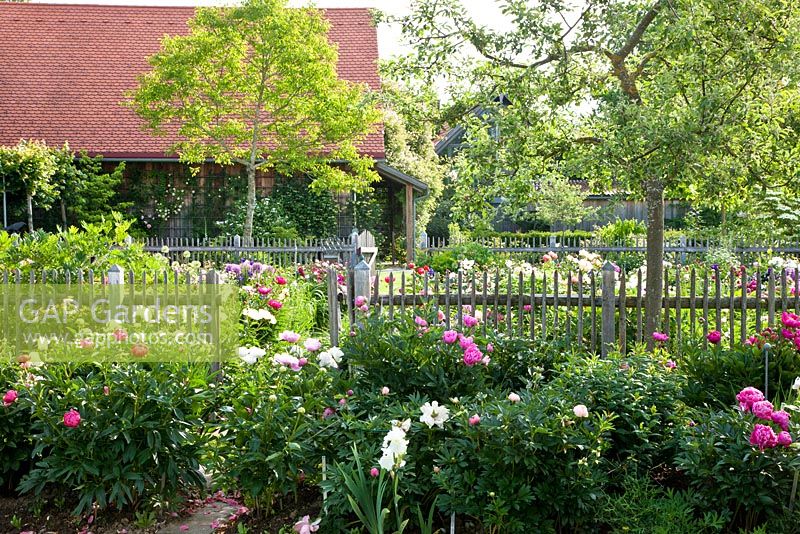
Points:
point(389, 43)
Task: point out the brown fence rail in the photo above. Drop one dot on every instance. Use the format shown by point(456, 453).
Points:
point(597, 309)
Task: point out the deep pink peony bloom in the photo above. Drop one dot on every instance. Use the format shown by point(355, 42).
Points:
point(420, 321)
point(660, 337)
point(784, 439)
point(9, 397)
point(360, 301)
point(787, 334)
point(781, 418)
point(714, 337)
point(281, 281)
point(470, 321)
point(275, 304)
point(450, 336)
point(72, 418)
point(763, 436)
point(747, 397)
point(262, 290)
point(790, 320)
point(472, 355)
point(762, 409)
point(374, 472)
point(465, 342)
point(671, 364)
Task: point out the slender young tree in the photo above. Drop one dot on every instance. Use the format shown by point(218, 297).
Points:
point(257, 85)
point(29, 167)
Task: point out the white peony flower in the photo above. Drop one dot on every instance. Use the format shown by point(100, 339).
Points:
point(433, 414)
point(251, 355)
point(796, 384)
point(326, 359)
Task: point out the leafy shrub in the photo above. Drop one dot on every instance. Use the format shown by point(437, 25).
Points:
point(621, 231)
point(15, 442)
point(269, 220)
point(449, 259)
point(142, 440)
point(720, 463)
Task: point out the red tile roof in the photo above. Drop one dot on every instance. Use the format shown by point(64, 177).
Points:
point(64, 70)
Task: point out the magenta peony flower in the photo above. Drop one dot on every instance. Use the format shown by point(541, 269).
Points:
point(762, 409)
point(781, 418)
point(790, 320)
point(714, 337)
point(763, 436)
point(363, 308)
point(489, 348)
point(450, 336)
point(275, 304)
point(312, 344)
point(281, 281)
point(72, 418)
point(262, 290)
point(465, 342)
point(784, 439)
point(526, 308)
point(420, 321)
point(302, 361)
point(474, 420)
point(787, 334)
point(671, 364)
point(9, 397)
point(660, 337)
point(747, 397)
point(360, 301)
point(470, 321)
point(472, 355)
point(328, 412)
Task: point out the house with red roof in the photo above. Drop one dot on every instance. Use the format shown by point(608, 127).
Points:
point(65, 71)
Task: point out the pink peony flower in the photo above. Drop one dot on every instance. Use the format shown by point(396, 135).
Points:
point(275, 304)
point(289, 336)
point(671, 364)
point(781, 418)
point(420, 321)
point(384, 391)
point(474, 420)
point(470, 321)
point(526, 308)
point(787, 334)
point(472, 355)
point(747, 397)
point(374, 472)
point(106, 391)
point(281, 281)
point(263, 290)
point(489, 348)
point(752, 340)
point(72, 418)
point(360, 301)
point(440, 315)
point(9, 397)
point(449, 336)
point(465, 342)
point(784, 439)
point(302, 361)
point(762, 409)
point(184, 528)
point(312, 344)
point(350, 393)
point(342, 401)
point(288, 360)
point(764, 437)
point(714, 337)
point(86, 343)
point(513, 397)
point(580, 410)
point(120, 334)
point(790, 320)
point(328, 412)
point(660, 337)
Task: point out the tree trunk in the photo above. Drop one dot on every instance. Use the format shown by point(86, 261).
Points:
point(654, 194)
point(30, 212)
point(247, 237)
point(63, 212)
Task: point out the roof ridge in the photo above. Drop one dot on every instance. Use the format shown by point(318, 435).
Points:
point(27, 5)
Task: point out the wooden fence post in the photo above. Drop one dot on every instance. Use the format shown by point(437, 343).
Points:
point(213, 280)
point(362, 280)
point(334, 318)
point(608, 308)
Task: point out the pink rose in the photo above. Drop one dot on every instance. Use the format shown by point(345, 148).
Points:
point(9, 397)
point(72, 418)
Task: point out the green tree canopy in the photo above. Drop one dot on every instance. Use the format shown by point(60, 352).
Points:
point(257, 85)
point(641, 96)
point(29, 167)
